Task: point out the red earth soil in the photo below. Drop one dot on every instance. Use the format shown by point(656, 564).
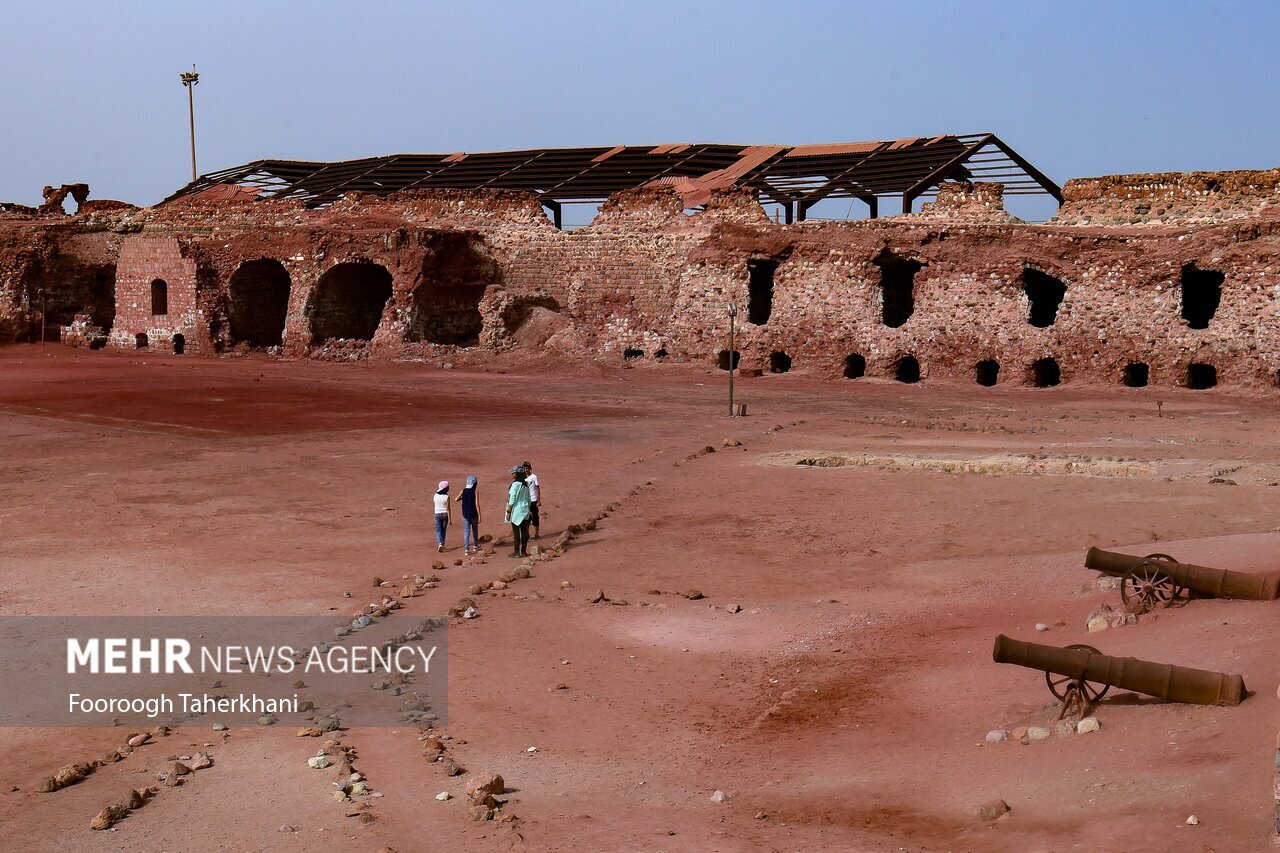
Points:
point(844, 707)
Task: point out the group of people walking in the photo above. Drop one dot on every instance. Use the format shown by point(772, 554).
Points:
point(522, 511)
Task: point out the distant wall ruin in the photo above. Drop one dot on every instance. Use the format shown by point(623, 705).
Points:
point(1138, 280)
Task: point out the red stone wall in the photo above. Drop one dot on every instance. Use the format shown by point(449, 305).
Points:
point(648, 276)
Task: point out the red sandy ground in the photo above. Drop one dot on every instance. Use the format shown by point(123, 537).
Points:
point(843, 709)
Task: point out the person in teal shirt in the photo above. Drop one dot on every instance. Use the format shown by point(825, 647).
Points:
point(518, 513)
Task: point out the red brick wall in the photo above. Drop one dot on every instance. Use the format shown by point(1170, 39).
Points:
point(144, 259)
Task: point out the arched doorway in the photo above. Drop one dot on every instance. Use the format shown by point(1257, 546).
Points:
point(258, 303)
point(348, 301)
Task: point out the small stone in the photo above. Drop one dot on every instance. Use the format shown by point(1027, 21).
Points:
point(1038, 733)
point(693, 595)
point(566, 585)
point(219, 728)
point(444, 795)
point(470, 613)
point(284, 827)
point(1088, 724)
point(1040, 626)
point(318, 762)
point(992, 809)
point(139, 740)
point(485, 783)
point(532, 749)
point(997, 736)
point(1193, 821)
point(1098, 623)
point(719, 797)
point(734, 608)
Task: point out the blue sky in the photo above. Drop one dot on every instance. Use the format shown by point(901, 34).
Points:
point(90, 91)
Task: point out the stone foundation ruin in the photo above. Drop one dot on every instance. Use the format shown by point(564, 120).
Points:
point(1140, 281)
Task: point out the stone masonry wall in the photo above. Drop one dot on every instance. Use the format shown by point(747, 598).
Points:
point(648, 280)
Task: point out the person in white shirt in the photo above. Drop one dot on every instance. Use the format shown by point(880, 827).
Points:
point(443, 514)
point(535, 497)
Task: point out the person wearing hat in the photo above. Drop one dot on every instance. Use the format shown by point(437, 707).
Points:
point(470, 517)
point(442, 513)
point(517, 514)
point(535, 496)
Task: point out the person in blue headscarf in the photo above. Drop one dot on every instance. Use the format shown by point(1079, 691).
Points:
point(470, 517)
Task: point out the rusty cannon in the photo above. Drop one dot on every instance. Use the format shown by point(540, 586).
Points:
point(1158, 580)
point(1081, 675)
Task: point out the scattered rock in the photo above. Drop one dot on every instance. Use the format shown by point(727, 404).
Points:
point(719, 797)
point(485, 784)
point(731, 442)
point(67, 775)
point(997, 736)
point(734, 608)
point(139, 740)
point(992, 809)
point(481, 813)
point(318, 762)
point(444, 795)
point(202, 761)
point(310, 731)
point(463, 605)
point(1088, 724)
point(1193, 820)
point(1097, 623)
point(693, 595)
point(117, 811)
point(452, 768)
point(1040, 626)
point(1036, 734)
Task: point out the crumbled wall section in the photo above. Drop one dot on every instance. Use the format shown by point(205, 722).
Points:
point(1172, 198)
point(145, 260)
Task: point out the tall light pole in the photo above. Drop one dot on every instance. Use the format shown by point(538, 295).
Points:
point(190, 79)
point(733, 315)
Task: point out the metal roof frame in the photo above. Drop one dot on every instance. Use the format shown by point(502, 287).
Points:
point(796, 177)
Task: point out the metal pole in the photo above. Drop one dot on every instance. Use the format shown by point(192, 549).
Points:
point(733, 313)
point(190, 79)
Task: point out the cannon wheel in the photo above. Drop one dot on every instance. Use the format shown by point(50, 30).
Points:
point(1148, 584)
point(1060, 685)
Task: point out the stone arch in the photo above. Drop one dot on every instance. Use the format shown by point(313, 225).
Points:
point(907, 369)
point(348, 301)
point(987, 372)
point(258, 303)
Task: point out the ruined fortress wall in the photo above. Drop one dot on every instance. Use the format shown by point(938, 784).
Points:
point(451, 269)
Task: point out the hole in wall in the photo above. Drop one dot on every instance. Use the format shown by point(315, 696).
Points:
point(632, 354)
point(258, 303)
point(725, 363)
point(760, 291)
point(662, 353)
point(897, 287)
point(348, 301)
point(855, 366)
point(779, 362)
point(179, 344)
point(1045, 373)
point(907, 369)
point(159, 297)
point(446, 302)
point(986, 372)
point(1136, 374)
point(1201, 295)
point(1044, 296)
point(140, 340)
point(1201, 376)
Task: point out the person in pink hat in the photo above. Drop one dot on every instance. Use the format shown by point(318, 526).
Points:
point(443, 515)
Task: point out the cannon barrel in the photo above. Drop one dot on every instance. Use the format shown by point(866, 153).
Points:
point(1166, 681)
point(1218, 583)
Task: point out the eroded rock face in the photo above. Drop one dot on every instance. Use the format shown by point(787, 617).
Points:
point(1141, 279)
